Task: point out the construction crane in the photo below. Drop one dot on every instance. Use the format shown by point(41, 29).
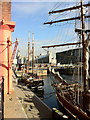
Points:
point(14, 50)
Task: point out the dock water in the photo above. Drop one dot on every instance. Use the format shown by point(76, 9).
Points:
point(25, 105)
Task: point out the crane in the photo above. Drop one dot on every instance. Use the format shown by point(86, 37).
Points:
point(14, 50)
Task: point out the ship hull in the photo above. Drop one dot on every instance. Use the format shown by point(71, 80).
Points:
point(71, 109)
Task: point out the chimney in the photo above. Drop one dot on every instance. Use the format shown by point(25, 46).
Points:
point(5, 10)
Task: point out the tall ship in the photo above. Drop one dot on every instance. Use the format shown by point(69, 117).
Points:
point(75, 97)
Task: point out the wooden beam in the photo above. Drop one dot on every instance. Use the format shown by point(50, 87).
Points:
point(67, 9)
point(68, 19)
point(80, 30)
point(61, 45)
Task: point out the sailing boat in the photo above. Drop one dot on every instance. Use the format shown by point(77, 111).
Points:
point(75, 99)
point(34, 82)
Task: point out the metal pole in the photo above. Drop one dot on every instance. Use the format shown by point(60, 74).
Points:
point(8, 49)
point(2, 97)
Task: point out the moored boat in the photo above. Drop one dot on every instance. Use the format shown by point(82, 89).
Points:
point(75, 98)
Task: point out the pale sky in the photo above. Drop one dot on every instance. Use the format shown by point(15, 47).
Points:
point(30, 16)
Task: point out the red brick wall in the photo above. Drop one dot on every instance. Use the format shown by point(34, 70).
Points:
point(5, 8)
point(0, 10)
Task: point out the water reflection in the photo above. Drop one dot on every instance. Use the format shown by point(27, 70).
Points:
point(50, 93)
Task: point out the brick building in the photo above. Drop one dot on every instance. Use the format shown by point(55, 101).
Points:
point(5, 10)
point(6, 27)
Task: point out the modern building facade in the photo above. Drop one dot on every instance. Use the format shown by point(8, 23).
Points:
point(72, 56)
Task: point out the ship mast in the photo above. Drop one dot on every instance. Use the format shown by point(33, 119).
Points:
point(28, 62)
point(32, 53)
point(84, 46)
point(82, 31)
point(84, 50)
